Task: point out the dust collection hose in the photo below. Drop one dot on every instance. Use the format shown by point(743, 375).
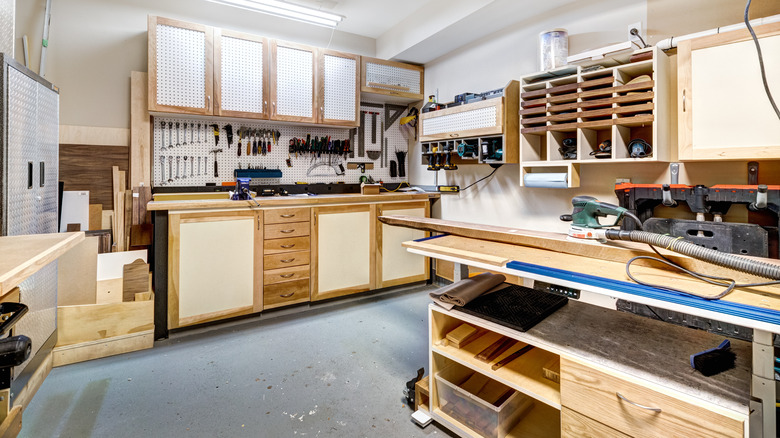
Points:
point(676, 244)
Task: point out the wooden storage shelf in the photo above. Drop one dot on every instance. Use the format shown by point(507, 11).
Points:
point(390, 81)
point(616, 104)
point(541, 421)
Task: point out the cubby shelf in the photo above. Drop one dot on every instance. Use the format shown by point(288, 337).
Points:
point(618, 104)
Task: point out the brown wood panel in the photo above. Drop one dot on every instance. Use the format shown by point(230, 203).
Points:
point(563, 88)
point(282, 215)
point(533, 94)
point(275, 246)
point(292, 229)
point(532, 111)
point(595, 394)
point(85, 167)
point(282, 275)
point(285, 294)
point(576, 425)
point(285, 260)
point(596, 82)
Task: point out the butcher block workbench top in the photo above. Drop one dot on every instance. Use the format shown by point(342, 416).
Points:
point(289, 201)
point(25, 255)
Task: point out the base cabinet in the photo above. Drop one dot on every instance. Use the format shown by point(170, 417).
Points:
point(395, 265)
point(343, 250)
point(212, 259)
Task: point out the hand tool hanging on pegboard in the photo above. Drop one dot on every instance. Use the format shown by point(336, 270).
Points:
point(382, 146)
point(362, 135)
point(240, 139)
point(401, 156)
point(215, 152)
point(229, 131)
point(215, 127)
point(373, 127)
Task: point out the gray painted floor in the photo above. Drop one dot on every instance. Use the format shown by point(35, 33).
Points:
point(333, 372)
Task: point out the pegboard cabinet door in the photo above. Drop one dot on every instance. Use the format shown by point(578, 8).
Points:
point(241, 69)
point(338, 88)
point(293, 94)
point(181, 73)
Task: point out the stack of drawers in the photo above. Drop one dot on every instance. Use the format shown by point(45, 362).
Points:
point(286, 256)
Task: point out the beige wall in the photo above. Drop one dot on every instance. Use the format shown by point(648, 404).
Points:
point(510, 54)
point(95, 44)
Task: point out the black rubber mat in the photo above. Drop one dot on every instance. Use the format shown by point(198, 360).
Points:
point(516, 307)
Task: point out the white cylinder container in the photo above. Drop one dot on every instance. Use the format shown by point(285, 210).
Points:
point(553, 49)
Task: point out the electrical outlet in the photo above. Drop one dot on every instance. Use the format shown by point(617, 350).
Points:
point(638, 27)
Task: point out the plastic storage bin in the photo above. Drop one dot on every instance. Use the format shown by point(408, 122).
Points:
point(490, 420)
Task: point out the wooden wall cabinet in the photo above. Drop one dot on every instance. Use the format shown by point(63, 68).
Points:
point(338, 91)
point(723, 110)
point(390, 81)
point(181, 76)
point(394, 264)
point(293, 68)
point(214, 263)
point(241, 74)
point(491, 122)
point(343, 250)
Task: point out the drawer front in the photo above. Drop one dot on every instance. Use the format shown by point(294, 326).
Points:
point(595, 394)
point(283, 215)
point(291, 229)
point(276, 246)
point(283, 294)
point(286, 274)
point(286, 260)
point(576, 425)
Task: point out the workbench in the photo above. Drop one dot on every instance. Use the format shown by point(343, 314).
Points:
point(218, 259)
point(590, 373)
point(22, 257)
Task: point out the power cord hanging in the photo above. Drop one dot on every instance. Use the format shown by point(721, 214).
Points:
point(495, 169)
point(760, 60)
point(728, 283)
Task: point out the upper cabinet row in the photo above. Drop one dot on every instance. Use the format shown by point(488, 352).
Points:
point(198, 69)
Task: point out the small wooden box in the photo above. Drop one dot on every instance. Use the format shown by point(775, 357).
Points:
point(370, 189)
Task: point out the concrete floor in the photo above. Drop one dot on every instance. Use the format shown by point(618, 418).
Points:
point(337, 371)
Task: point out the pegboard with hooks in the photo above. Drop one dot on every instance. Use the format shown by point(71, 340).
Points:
point(187, 153)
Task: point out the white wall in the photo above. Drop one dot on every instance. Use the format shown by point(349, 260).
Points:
point(95, 44)
point(511, 53)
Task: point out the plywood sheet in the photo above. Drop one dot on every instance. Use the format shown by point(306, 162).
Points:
point(86, 167)
point(110, 265)
point(77, 274)
point(75, 210)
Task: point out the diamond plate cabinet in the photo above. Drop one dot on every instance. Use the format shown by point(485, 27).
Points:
point(338, 93)
point(390, 81)
point(181, 73)
point(292, 82)
point(241, 75)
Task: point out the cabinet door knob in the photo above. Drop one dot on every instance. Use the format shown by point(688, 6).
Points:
point(683, 100)
point(649, 408)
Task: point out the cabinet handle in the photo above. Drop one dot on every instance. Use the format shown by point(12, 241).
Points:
point(454, 135)
point(288, 246)
point(288, 260)
point(208, 102)
point(637, 404)
point(287, 231)
point(273, 105)
point(683, 100)
point(265, 106)
point(286, 275)
point(287, 295)
point(286, 216)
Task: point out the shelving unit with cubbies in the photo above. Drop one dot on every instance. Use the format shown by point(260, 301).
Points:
point(615, 104)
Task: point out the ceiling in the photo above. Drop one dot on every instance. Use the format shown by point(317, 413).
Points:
point(420, 31)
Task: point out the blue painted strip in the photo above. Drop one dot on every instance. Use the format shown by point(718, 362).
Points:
point(429, 238)
point(725, 307)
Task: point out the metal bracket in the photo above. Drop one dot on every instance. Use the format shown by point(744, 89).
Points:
point(674, 173)
point(752, 173)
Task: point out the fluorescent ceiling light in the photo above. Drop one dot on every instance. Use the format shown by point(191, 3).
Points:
point(286, 10)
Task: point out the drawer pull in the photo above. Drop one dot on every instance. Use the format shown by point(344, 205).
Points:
point(288, 260)
point(286, 275)
point(287, 231)
point(637, 404)
point(287, 246)
point(286, 216)
point(287, 295)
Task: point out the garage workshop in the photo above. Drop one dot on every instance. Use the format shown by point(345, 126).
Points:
point(364, 218)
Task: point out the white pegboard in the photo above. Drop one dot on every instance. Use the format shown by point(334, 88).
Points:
point(181, 67)
point(467, 120)
point(200, 142)
point(294, 87)
point(242, 75)
point(392, 75)
point(340, 75)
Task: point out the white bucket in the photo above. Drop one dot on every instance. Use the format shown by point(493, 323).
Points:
point(553, 49)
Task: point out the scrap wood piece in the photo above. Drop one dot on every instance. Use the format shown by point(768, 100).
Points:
point(495, 349)
point(135, 279)
point(611, 251)
point(462, 335)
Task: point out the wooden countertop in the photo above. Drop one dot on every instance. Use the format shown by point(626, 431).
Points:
point(289, 201)
point(23, 256)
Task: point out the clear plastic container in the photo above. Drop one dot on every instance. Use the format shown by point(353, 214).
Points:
point(553, 49)
point(487, 419)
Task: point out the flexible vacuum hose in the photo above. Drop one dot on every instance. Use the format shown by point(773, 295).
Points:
point(732, 261)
